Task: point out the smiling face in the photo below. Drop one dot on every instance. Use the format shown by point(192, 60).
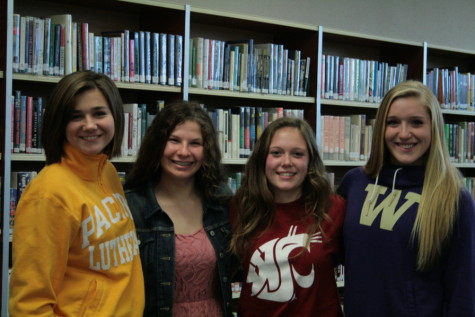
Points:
point(184, 151)
point(287, 164)
point(408, 131)
point(91, 127)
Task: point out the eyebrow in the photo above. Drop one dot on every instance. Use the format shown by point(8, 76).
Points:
point(93, 109)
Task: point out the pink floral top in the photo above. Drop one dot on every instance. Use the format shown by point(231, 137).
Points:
point(196, 277)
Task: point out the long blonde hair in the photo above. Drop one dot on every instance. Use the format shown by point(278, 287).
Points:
point(442, 180)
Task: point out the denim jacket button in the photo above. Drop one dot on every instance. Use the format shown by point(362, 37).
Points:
point(138, 242)
point(221, 255)
point(211, 233)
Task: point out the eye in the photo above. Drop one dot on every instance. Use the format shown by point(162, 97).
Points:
point(391, 122)
point(417, 122)
point(196, 143)
point(173, 140)
point(100, 114)
point(76, 117)
point(275, 153)
point(298, 154)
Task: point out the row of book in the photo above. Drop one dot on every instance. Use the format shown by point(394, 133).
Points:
point(27, 118)
point(26, 123)
point(460, 139)
point(352, 79)
point(245, 66)
point(454, 90)
point(55, 46)
point(346, 138)
point(137, 119)
point(239, 128)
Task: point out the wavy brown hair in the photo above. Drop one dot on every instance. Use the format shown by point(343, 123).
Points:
point(442, 180)
point(147, 167)
point(254, 200)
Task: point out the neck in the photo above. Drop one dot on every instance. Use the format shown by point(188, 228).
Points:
point(176, 189)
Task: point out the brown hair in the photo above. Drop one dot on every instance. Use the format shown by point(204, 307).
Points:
point(60, 106)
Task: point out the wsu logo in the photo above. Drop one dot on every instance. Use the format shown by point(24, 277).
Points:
point(270, 272)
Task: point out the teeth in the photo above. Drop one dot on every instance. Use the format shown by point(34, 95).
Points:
point(183, 163)
point(286, 174)
point(89, 137)
point(406, 146)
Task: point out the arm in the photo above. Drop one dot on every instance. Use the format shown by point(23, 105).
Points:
point(459, 277)
point(41, 240)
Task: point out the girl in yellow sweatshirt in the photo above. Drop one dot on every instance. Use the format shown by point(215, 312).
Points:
point(75, 250)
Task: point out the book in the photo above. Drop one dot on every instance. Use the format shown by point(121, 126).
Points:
point(66, 21)
point(163, 58)
point(16, 42)
point(132, 109)
point(178, 60)
point(171, 59)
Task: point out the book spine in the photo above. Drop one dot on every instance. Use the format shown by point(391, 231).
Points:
point(148, 58)
point(178, 60)
point(171, 60)
point(16, 43)
point(29, 124)
point(155, 58)
point(163, 59)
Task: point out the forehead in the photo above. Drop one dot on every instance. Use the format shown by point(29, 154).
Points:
point(408, 107)
point(288, 136)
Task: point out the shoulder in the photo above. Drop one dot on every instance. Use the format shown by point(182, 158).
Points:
point(141, 200)
point(337, 207)
point(466, 208)
point(350, 179)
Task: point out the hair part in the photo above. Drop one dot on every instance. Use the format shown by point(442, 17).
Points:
point(147, 167)
point(442, 181)
point(254, 200)
point(60, 106)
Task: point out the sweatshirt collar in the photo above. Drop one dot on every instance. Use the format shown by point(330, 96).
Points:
point(87, 167)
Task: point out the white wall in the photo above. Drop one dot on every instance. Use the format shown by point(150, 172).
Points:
point(449, 23)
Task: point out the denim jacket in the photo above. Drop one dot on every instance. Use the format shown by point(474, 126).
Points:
point(157, 249)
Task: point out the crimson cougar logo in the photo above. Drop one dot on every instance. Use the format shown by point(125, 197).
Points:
point(270, 272)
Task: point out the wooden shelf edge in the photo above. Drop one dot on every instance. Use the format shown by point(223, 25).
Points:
point(119, 84)
point(346, 103)
point(236, 94)
point(24, 157)
point(154, 3)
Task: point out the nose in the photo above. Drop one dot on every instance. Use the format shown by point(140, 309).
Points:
point(404, 131)
point(183, 149)
point(89, 123)
point(286, 159)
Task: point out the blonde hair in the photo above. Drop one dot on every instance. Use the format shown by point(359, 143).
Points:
point(442, 180)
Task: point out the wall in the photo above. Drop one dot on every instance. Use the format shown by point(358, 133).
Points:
point(439, 22)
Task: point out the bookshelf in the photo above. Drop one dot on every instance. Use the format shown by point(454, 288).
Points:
point(191, 22)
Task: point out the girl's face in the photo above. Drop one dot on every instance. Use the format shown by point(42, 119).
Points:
point(184, 151)
point(287, 164)
point(91, 127)
point(408, 132)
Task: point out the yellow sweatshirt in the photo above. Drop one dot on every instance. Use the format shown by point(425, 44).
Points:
point(75, 250)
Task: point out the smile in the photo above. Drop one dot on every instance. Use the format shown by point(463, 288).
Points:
point(183, 163)
point(406, 146)
point(286, 174)
point(90, 138)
